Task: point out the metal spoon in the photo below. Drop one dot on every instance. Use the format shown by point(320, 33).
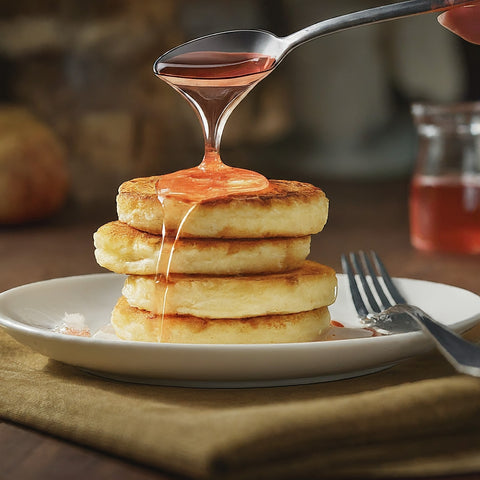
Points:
point(263, 42)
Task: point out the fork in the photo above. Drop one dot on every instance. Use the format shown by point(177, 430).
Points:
point(390, 313)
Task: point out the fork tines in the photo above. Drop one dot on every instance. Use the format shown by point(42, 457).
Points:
point(360, 266)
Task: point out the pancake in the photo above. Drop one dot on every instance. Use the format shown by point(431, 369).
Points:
point(286, 209)
point(124, 249)
point(207, 296)
point(135, 324)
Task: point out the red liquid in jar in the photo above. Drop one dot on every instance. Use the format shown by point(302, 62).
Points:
point(213, 83)
point(445, 213)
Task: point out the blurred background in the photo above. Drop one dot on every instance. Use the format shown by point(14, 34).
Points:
point(81, 110)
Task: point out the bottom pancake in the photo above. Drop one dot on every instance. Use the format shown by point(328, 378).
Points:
point(132, 323)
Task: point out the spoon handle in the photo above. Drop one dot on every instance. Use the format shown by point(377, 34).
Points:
point(371, 15)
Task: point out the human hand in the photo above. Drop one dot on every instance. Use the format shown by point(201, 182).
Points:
point(463, 21)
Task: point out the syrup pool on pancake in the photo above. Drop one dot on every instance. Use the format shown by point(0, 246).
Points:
point(214, 83)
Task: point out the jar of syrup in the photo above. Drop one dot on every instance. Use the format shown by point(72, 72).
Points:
point(445, 188)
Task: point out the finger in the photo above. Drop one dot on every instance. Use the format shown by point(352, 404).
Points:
point(463, 21)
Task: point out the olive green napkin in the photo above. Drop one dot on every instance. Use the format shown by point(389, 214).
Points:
point(418, 418)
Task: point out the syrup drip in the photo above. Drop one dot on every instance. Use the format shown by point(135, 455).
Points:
point(338, 331)
point(158, 277)
point(214, 83)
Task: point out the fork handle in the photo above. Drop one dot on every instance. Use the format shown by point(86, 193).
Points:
point(463, 355)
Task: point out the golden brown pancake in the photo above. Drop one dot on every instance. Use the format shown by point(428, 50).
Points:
point(124, 249)
point(135, 324)
point(309, 287)
point(286, 209)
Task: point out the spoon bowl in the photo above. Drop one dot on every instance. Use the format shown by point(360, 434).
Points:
point(254, 41)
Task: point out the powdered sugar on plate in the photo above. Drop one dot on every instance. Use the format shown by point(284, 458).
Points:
point(73, 324)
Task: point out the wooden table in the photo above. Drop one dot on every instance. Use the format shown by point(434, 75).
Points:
point(362, 216)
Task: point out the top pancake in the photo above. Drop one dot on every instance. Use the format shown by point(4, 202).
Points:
point(286, 209)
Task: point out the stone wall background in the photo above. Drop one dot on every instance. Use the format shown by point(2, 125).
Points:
point(85, 69)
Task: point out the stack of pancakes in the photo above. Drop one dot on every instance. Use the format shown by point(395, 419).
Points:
point(238, 273)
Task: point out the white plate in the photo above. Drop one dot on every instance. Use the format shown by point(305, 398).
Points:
point(28, 313)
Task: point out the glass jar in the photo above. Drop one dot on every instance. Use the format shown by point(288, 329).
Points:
point(445, 188)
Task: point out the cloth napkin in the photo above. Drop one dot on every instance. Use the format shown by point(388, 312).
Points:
point(417, 418)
